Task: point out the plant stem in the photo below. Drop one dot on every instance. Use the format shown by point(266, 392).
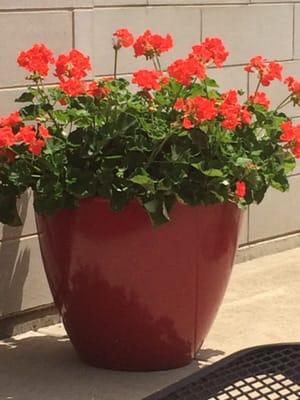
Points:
point(158, 62)
point(176, 96)
point(116, 63)
point(284, 102)
point(154, 63)
point(257, 86)
point(42, 92)
point(157, 150)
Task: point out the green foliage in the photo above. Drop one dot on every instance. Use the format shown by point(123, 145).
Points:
point(126, 147)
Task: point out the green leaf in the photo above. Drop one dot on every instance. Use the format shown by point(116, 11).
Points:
point(211, 82)
point(243, 161)
point(25, 97)
point(213, 172)
point(289, 163)
point(280, 182)
point(61, 116)
point(144, 180)
point(119, 199)
point(158, 211)
point(30, 112)
point(8, 210)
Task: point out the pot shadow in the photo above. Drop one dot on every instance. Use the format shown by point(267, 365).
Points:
point(206, 355)
point(14, 267)
point(46, 367)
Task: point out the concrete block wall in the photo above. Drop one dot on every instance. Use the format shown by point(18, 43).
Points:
point(270, 28)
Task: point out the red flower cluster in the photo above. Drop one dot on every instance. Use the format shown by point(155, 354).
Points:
point(196, 110)
point(72, 87)
point(234, 114)
point(147, 79)
point(240, 189)
point(26, 134)
point(185, 71)
point(43, 132)
point(267, 70)
point(211, 50)
point(150, 44)
point(293, 85)
point(11, 120)
point(70, 69)
point(122, 38)
point(260, 98)
point(291, 134)
point(72, 65)
point(7, 137)
point(97, 89)
point(36, 59)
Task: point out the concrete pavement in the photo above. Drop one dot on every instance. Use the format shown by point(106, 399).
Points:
point(262, 305)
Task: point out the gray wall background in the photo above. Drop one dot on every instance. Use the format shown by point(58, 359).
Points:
point(247, 27)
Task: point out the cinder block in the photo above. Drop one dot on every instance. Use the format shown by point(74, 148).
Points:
point(182, 22)
point(297, 169)
point(23, 283)
point(243, 239)
point(248, 30)
point(277, 215)
point(274, 1)
point(7, 100)
point(198, 2)
point(26, 212)
point(20, 30)
point(101, 3)
point(297, 32)
point(30, 4)
point(229, 78)
point(83, 34)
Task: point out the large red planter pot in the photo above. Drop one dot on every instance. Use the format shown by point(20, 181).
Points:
point(134, 297)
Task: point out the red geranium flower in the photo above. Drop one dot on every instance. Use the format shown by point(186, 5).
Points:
point(246, 116)
point(267, 70)
point(196, 110)
point(44, 133)
point(211, 49)
point(147, 79)
point(289, 132)
point(97, 89)
point(260, 98)
point(184, 71)
point(179, 104)
point(72, 87)
point(7, 137)
point(26, 134)
point(72, 65)
point(36, 146)
point(123, 38)
point(36, 59)
point(11, 120)
point(149, 44)
point(293, 85)
point(296, 149)
point(240, 189)
point(234, 114)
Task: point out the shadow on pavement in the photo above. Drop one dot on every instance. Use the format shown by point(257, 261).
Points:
point(42, 367)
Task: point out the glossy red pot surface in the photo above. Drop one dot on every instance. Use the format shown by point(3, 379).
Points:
point(134, 297)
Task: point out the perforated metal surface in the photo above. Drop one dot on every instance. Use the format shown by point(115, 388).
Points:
point(263, 373)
